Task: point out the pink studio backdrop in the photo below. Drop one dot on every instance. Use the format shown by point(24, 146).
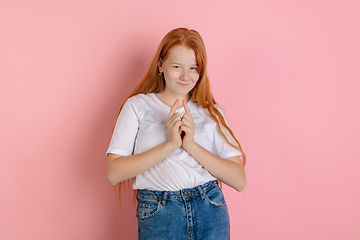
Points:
point(286, 72)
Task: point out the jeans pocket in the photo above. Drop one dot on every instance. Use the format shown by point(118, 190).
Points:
point(147, 208)
point(215, 197)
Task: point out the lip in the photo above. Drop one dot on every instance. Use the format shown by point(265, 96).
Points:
point(183, 84)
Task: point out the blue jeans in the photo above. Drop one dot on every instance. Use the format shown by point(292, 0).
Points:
point(194, 213)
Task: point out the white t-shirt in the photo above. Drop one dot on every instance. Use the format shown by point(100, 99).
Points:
point(141, 126)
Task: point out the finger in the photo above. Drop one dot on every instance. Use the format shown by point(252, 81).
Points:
point(188, 123)
point(175, 118)
point(188, 118)
point(187, 109)
point(178, 124)
point(186, 129)
point(175, 124)
point(173, 108)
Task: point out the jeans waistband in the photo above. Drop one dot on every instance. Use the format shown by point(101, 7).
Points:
point(184, 193)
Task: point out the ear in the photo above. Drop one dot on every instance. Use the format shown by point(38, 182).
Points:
point(160, 65)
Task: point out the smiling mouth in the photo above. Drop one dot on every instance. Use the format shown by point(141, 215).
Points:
point(183, 84)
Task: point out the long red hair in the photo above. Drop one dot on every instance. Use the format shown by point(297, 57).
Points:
point(152, 82)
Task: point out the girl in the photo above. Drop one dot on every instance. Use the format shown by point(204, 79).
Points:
point(174, 141)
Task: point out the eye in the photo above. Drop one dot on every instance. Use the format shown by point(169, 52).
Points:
point(194, 68)
point(175, 66)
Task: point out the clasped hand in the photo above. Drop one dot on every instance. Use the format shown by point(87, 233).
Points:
point(181, 129)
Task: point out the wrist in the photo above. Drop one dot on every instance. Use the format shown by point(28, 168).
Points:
point(192, 147)
point(170, 146)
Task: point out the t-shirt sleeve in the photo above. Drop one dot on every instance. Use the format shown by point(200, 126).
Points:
point(221, 147)
point(125, 131)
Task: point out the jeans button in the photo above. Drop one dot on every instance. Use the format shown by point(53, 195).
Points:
point(185, 193)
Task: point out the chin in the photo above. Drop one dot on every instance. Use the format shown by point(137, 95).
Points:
point(184, 93)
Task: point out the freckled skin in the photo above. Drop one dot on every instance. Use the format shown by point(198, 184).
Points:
point(180, 71)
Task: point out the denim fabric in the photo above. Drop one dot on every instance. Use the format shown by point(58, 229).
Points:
point(195, 213)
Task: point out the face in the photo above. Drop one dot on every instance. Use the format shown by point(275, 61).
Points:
point(180, 70)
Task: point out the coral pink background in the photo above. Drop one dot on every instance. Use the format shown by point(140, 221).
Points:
point(286, 72)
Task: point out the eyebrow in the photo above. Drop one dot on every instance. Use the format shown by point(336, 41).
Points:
point(181, 64)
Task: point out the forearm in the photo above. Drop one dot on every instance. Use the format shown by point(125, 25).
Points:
point(229, 172)
point(119, 169)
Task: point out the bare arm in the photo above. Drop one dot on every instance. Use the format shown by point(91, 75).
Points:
point(230, 171)
point(120, 168)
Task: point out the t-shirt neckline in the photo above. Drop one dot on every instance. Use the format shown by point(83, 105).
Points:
point(166, 106)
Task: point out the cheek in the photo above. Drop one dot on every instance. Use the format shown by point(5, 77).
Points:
point(195, 77)
point(171, 75)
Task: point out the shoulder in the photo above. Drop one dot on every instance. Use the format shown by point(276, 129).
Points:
point(143, 104)
point(139, 99)
point(134, 102)
point(213, 110)
point(196, 107)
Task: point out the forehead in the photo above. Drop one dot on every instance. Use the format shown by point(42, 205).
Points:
point(180, 53)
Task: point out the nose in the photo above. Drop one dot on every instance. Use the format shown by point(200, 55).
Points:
point(185, 75)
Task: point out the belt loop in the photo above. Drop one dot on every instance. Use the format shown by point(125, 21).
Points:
point(163, 200)
point(201, 191)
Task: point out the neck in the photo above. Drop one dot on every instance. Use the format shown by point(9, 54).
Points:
point(169, 99)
